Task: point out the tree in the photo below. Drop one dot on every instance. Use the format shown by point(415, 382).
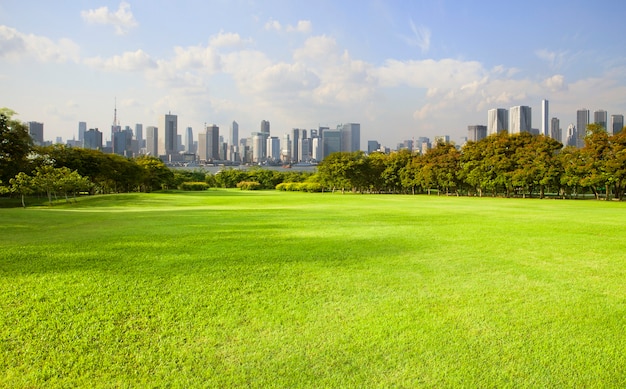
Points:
point(15, 146)
point(155, 174)
point(22, 184)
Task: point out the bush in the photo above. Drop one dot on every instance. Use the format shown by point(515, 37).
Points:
point(193, 185)
point(249, 185)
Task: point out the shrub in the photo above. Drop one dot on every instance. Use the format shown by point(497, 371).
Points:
point(193, 185)
point(249, 185)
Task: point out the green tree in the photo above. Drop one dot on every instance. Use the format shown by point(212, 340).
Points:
point(22, 184)
point(15, 146)
point(156, 175)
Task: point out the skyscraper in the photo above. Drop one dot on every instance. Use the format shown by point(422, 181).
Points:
point(213, 142)
point(168, 135)
point(273, 148)
point(35, 130)
point(189, 140)
point(92, 139)
point(617, 123)
point(234, 134)
point(295, 138)
point(520, 119)
point(555, 130)
point(476, 133)
point(350, 136)
point(258, 142)
point(265, 127)
point(544, 118)
point(582, 121)
point(82, 128)
point(497, 120)
point(152, 141)
point(600, 117)
point(331, 140)
point(572, 136)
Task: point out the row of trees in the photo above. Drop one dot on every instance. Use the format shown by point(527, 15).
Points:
point(502, 164)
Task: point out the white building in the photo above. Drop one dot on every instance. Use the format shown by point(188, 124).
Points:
point(497, 120)
point(520, 119)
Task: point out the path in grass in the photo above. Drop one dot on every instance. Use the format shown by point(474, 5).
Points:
point(229, 288)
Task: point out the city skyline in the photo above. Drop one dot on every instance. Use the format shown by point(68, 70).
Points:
point(397, 68)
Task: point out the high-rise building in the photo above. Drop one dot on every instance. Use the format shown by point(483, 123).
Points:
point(617, 123)
point(82, 128)
point(304, 150)
point(92, 139)
point(555, 130)
point(139, 132)
point(122, 142)
point(152, 141)
point(213, 141)
point(350, 136)
point(520, 119)
point(265, 127)
point(258, 140)
point(273, 148)
point(372, 146)
point(295, 139)
point(476, 133)
point(189, 141)
point(600, 117)
point(497, 120)
point(572, 136)
point(317, 149)
point(544, 118)
point(35, 130)
point(168, 135)
point(331, 140)
point(582, 121)
point(234, 133)
point(286, 148)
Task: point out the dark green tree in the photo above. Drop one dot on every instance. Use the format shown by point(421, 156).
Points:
point(15, 146)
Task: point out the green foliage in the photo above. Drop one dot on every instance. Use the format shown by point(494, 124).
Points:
point(272, 289)
point(15, 146)
point(249, 185)
point(195, 186)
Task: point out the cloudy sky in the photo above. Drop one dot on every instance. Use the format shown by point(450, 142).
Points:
point(402, 69)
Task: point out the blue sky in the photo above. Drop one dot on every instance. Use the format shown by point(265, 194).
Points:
point(402, 69)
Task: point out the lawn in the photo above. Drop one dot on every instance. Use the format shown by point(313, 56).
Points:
point(272, 289)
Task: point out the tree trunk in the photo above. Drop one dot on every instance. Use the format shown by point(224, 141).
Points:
point(23, 203)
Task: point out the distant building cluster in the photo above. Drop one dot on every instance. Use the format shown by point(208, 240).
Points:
point(518, 119)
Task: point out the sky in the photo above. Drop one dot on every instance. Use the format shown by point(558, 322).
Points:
point(402, 69)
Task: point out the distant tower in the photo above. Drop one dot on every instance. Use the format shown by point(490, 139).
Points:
point(600, 117)
point(35, 130)
point(617, 123)
point(234, 134)
point(572, 136)
point(582, 120)
point(520, 119)
point(555, 130)
point(189, 140)
point(168, 135)
point(115, 127)
point(544, 118)
point(350, 136)
point(497, 120)
point(82, 128)
point(476, 133)
point(152, 141)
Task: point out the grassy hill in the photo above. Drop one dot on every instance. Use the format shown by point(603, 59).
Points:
point(228, 288)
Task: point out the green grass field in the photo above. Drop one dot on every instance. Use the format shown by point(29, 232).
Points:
point(272, 289)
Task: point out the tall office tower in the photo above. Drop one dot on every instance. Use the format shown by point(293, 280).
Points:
point(35, 130)
point(350, 136)
point(273, 148)
point(203, 147)
point(555, 130)
point(189, 140)
point(304, 150)
point(286, 148)
point(372, 146)
point(572, 136)
point(544, 118)
point(82, 128)
point(213, 141)
point(600, 117)
point(520, 119)
point(476, 133)
point(258, 140)
point(295, 138)
point(92, 139)
point(617, 123)
point(234, 134)
point(497, 120)
point(122, 142)
point(317, 149)
point(168, 135)
point(265, 127)
point(139, 131)
point(152, 141)
point(582, 121)
point(331, 141)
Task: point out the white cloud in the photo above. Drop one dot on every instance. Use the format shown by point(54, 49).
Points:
point(129, 61)
point(554, 59)
point(122, 19)
point(273, 25)
point(303, 26)
point(16, 45)
point(228, 39)
point(420, 37)
point(556, 83)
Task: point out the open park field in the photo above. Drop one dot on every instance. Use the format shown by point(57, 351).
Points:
point(229, 288)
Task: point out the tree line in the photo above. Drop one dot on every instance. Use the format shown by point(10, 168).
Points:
point(521, 165)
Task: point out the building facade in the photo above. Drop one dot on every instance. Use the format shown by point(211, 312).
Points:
point(476, 133)
point(35, 130)
point(520, 119)
point(168, 135)
point(582, 121)
point(555, 130)
point(617, 123)
point(497, 120)
point(152, 141)
point(544, 118)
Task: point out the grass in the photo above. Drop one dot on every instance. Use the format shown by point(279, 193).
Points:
point(272, 289)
